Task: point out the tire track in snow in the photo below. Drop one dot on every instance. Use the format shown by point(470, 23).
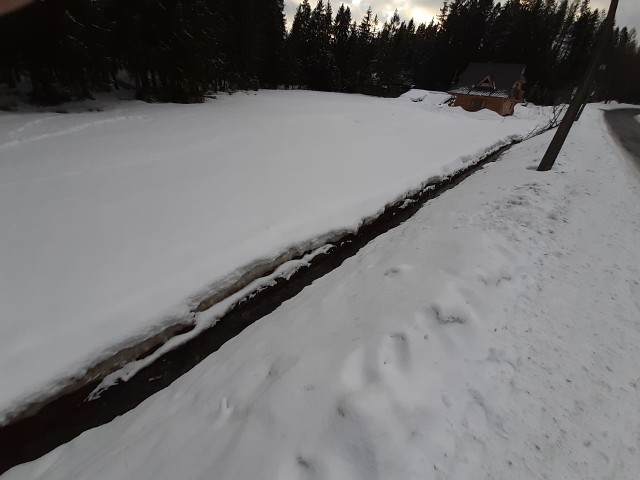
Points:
point(18, 140)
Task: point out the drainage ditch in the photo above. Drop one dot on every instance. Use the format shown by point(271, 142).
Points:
point(65, 417)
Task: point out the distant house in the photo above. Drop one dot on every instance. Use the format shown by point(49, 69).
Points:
point(496, 86)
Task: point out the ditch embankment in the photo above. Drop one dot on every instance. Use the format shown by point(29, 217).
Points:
point(57, 420)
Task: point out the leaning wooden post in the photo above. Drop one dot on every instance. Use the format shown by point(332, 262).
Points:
point(581, 95)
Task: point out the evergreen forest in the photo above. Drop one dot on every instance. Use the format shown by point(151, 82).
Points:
point(183, 50)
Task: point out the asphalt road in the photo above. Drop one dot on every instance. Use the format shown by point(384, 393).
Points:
point(626, 128)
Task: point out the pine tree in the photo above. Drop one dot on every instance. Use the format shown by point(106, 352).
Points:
point(299, 45)
point(271, 42)
point(343, 42)
point(364, 52)
point(321, 59)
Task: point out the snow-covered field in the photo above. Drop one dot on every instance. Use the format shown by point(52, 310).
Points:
point(494, 335)
point(115, 223)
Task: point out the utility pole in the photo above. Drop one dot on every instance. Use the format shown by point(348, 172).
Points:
point(581, 95)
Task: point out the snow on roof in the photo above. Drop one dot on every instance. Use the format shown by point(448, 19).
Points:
point(503, 76)
point(481, 92)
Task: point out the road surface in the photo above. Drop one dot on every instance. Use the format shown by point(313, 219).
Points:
point(627, 129)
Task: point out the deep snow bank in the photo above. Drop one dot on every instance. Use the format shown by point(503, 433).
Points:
point(115, 223)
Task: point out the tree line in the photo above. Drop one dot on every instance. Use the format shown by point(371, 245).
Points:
point(180, 50)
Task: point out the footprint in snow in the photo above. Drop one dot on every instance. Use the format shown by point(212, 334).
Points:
point(398, 353)
point(398, 270)
point(224, 412)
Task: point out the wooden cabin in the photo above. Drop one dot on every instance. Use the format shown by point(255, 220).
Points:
point(495, 86)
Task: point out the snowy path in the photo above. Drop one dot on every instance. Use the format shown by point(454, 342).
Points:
point(495, 335)
point(116, 224)
point(585, 353)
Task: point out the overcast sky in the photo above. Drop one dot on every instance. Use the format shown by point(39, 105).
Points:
point(423, 10)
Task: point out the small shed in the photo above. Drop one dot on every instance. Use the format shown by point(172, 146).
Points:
point(495, 86)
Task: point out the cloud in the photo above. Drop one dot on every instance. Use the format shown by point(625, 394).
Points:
point(627, 15)
point(419, 10)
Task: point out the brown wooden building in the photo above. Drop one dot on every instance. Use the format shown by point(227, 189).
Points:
point(495, 86)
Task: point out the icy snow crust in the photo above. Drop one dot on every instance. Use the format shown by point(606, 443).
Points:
point(493, 335)
point(115, 223)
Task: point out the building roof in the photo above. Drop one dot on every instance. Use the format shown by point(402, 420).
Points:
point(503, 76)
